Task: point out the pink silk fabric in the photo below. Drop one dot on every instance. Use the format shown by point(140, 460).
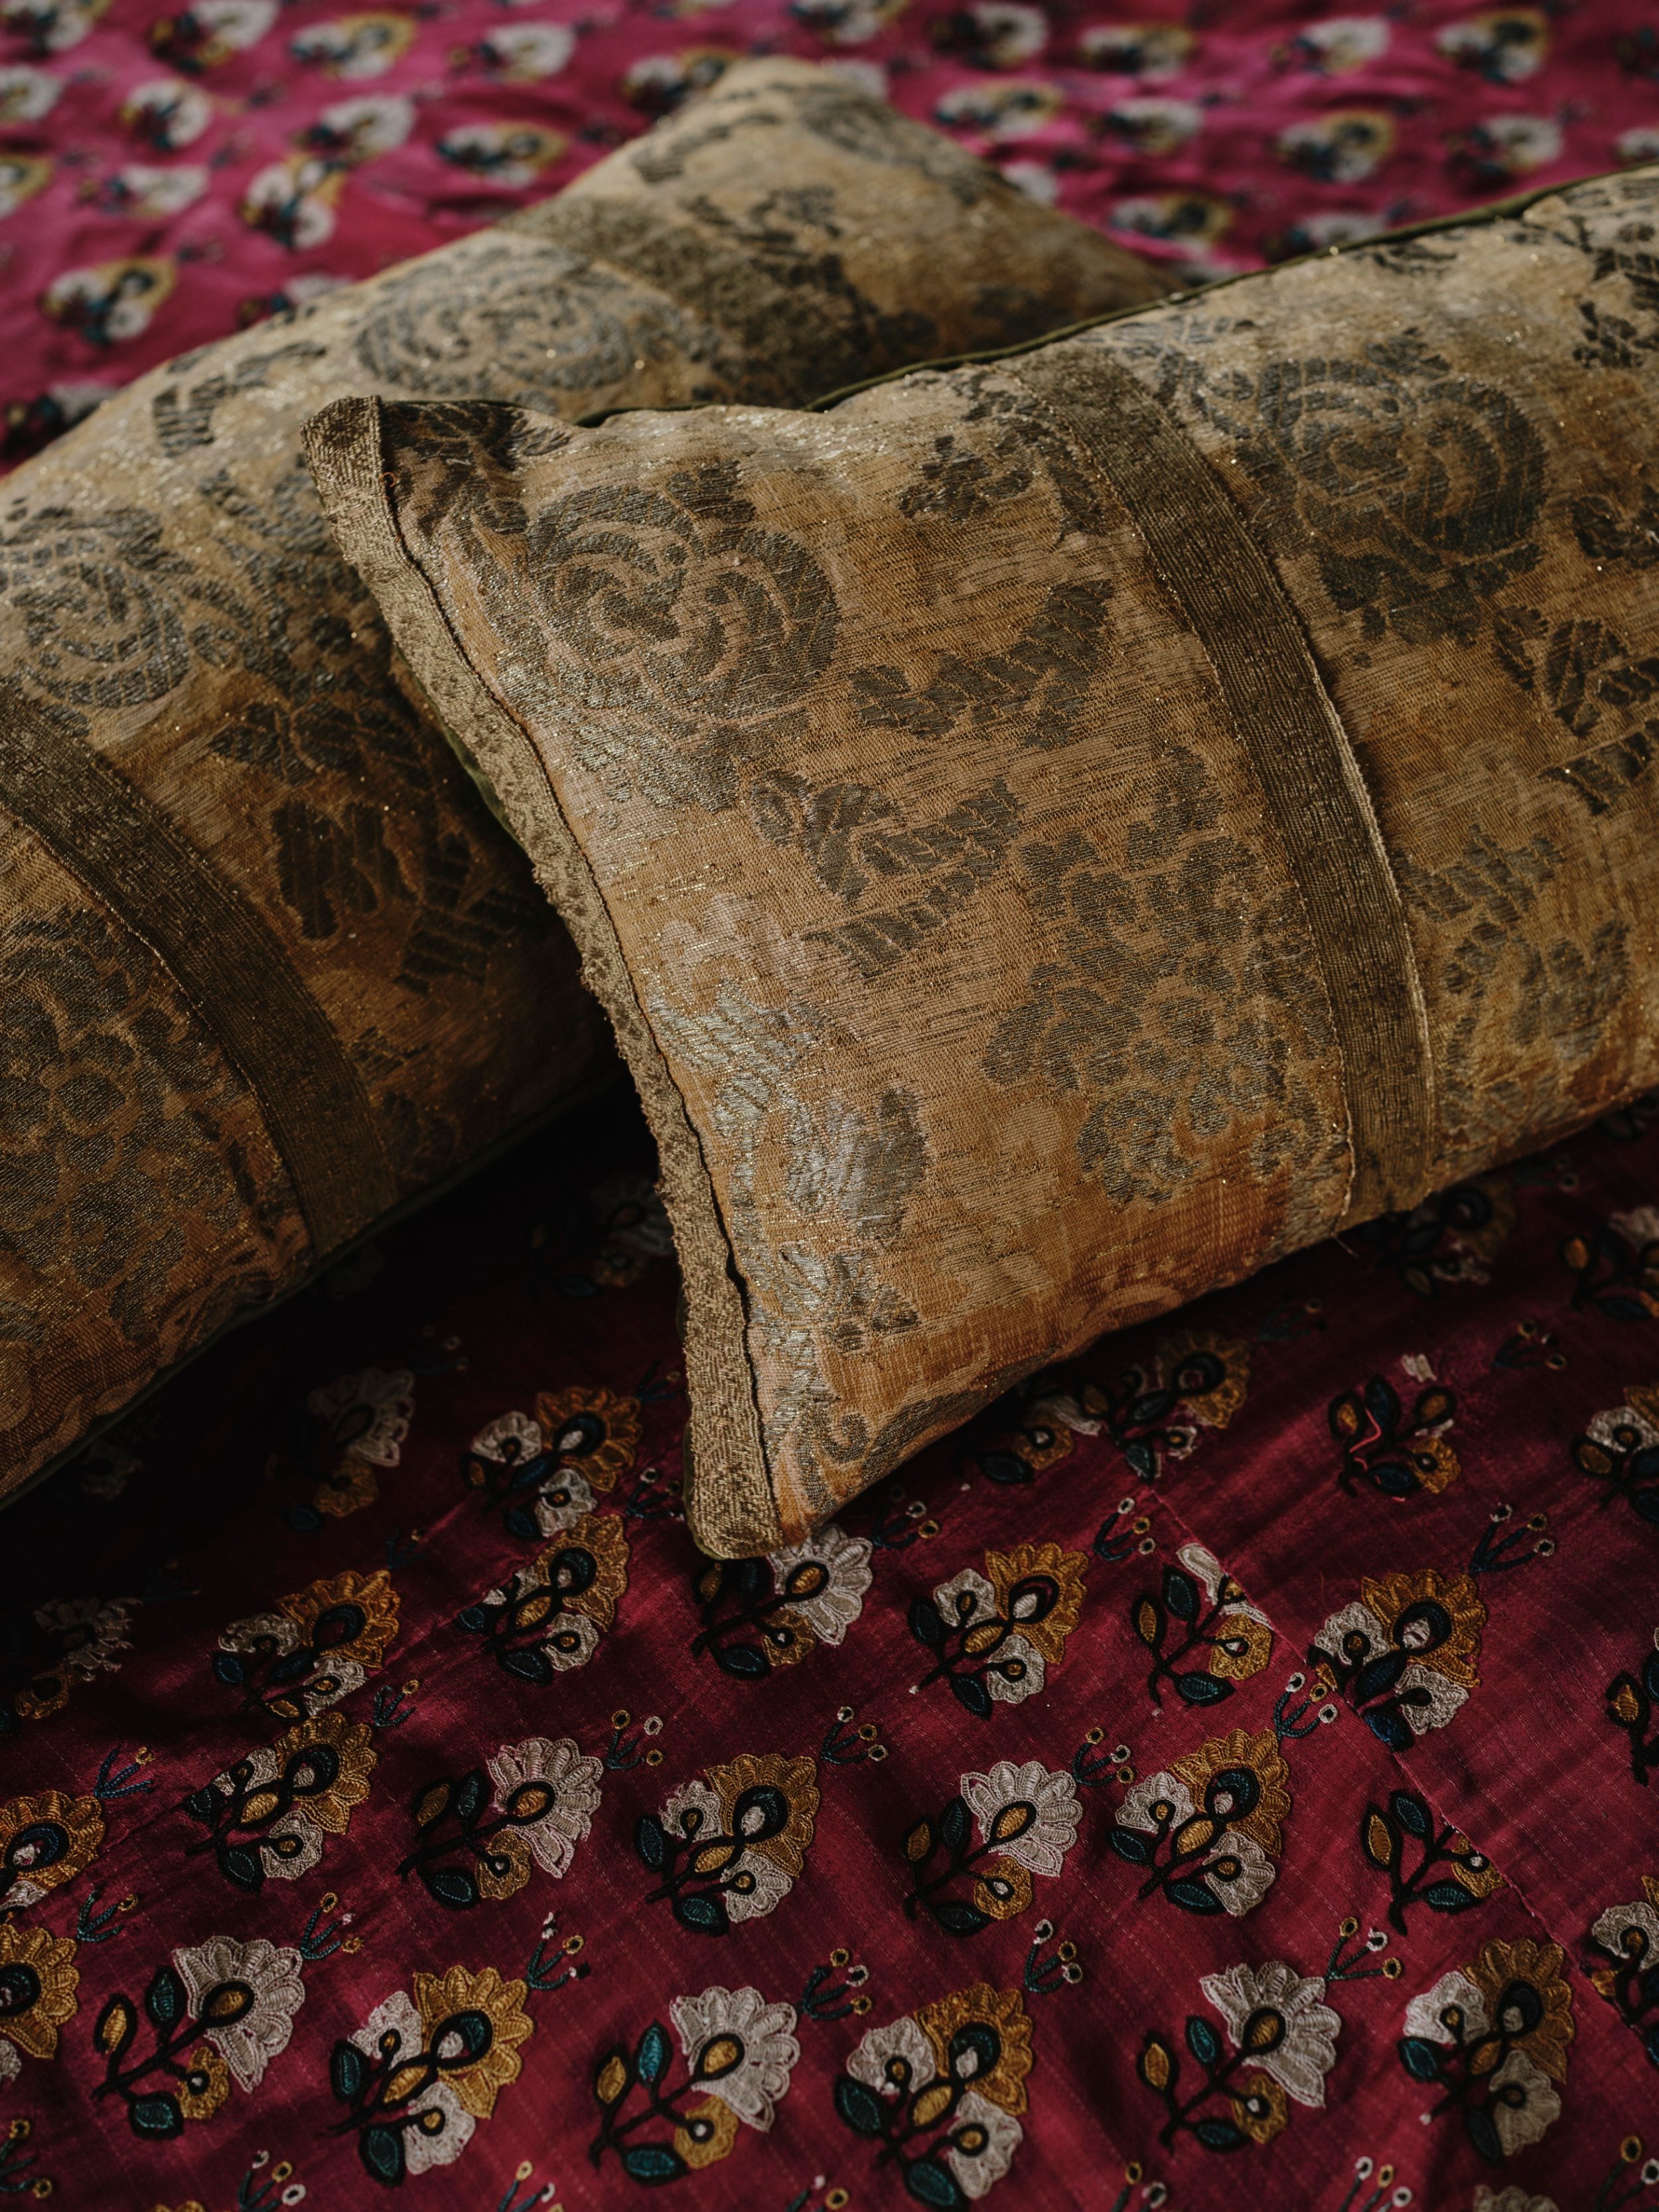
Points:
point(169, 173)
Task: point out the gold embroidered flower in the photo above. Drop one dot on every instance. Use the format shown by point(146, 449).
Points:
point(708, 2133)
point(1241, 1647)
point(1526, 2000)
point(45, 1841)
point(1470, 1868)
point(1261, 2107)
point(960, 2058)
point(39, 1981)
point(755, 1793)
point(600, 1536)
point(1003, 1889)
point(348, 1485)
point(365, 1610)
point(1238, 1782)
point(1190, 1359)
point(338, 1760)
point(1437, 1618)
point(595, 1429)
point(474, 2023)
point(1040, 1588)
point(206, 2083)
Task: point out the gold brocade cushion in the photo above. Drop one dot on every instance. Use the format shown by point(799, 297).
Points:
point(267, 965)
point(1054, 834)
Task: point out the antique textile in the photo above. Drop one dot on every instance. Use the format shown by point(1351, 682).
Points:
point(1057, 835)
point(1222, 1772)
point(269, 967)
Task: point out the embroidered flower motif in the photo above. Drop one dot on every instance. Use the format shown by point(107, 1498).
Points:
point(997, 1633)
point(366, 1417)
point(1493, 2037)
point(1280, 2020)
point(368, 1414)
point(761, 1614)
point(728, 1848)
point(218, 2013)
point(1396, 1454)
point(739, 2052)
point(1627, 1936)
point(1199, 1609)
point(438, 2126)
point(563, 1499)
point(550, 1616)
point(550, 1791)
point(44, 1842)
point(942, 2093)
point(319, 1645)
point(1620, 1451)
point(39, 1981)
point(1405, 1654)
point(473, 1845)
point(67, 1640)
point(244, 1997)
point(1284, 2037)
point(595, 1431)
point(1028, 1819)
point(267, 1815)
point(1205, 1828)
point(1449, 1873)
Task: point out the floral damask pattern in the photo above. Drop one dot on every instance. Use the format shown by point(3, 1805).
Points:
point(1157, 1803)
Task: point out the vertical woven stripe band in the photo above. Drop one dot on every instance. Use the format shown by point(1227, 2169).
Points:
point(1289, 731)
point(224, 958)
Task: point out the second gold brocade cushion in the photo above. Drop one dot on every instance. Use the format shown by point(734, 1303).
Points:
point(267, 966)
point(1054, 834)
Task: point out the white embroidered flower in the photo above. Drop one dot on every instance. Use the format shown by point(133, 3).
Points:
point(1238, 1872)
point(270, 1631)
point(1354, 1634)
point(751, 2082)
point(1512, 2199)
point(1030, 1813)
point(969, 1585)
point(10, 2065)
point(832, 1605)
point(1604, 1428)
point(510, 1439)
point(982, 2142)
point(90, 1631)
point(271, 1976)
point(1163, 1799)
point(562, 1501)
point(558, 1775)
point(1523, 2104)
point(1255, 2001)
point(1628, 1931)
point(1443, 1696)
point(397, 2017)
point(693, 1810)
point(894, 2057)
point(368, 1414)
point(1061, 1409)
point(1638, 1227)
point(1453, 1993)
point(1029, 1681)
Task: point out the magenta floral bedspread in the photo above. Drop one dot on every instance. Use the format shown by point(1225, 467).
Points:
point(168, 171)
point(1228, 1769)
